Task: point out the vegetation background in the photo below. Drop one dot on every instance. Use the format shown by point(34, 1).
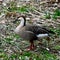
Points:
point(44, 13)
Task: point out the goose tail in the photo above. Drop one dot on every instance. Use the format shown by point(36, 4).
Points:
point(50, 31)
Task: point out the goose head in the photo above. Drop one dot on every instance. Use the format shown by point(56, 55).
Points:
point(21, 25)
point(22, 19)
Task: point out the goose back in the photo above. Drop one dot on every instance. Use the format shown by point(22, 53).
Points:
point(37, 29)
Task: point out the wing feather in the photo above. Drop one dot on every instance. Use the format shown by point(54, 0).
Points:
point(28, 35)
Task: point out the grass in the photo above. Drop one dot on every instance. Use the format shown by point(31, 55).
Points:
point(55, 14)
point(57, 31)
point(10, 41)
point(22, 9)
point(57, 47)
point(45, 55)
point(26, 55)
point(47, 15)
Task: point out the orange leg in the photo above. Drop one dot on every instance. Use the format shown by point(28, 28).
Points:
point(31, 47)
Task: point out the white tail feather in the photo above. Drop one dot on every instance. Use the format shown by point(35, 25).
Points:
point(42, 35)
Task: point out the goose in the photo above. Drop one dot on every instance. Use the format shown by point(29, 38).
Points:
point(30, 32)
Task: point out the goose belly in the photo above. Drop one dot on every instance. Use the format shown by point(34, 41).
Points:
point(27, 35)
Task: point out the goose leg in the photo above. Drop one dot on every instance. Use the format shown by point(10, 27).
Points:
point(48, 39)
point(31, 47)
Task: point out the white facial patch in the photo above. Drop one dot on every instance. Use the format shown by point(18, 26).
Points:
point(27, 19)
point(21, 18)
point(42, 35)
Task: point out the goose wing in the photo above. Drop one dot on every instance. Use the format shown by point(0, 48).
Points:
point(38, 30)
point(45, 28)
point(28, 35)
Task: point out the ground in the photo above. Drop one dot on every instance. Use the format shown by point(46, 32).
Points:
point(13, 47)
